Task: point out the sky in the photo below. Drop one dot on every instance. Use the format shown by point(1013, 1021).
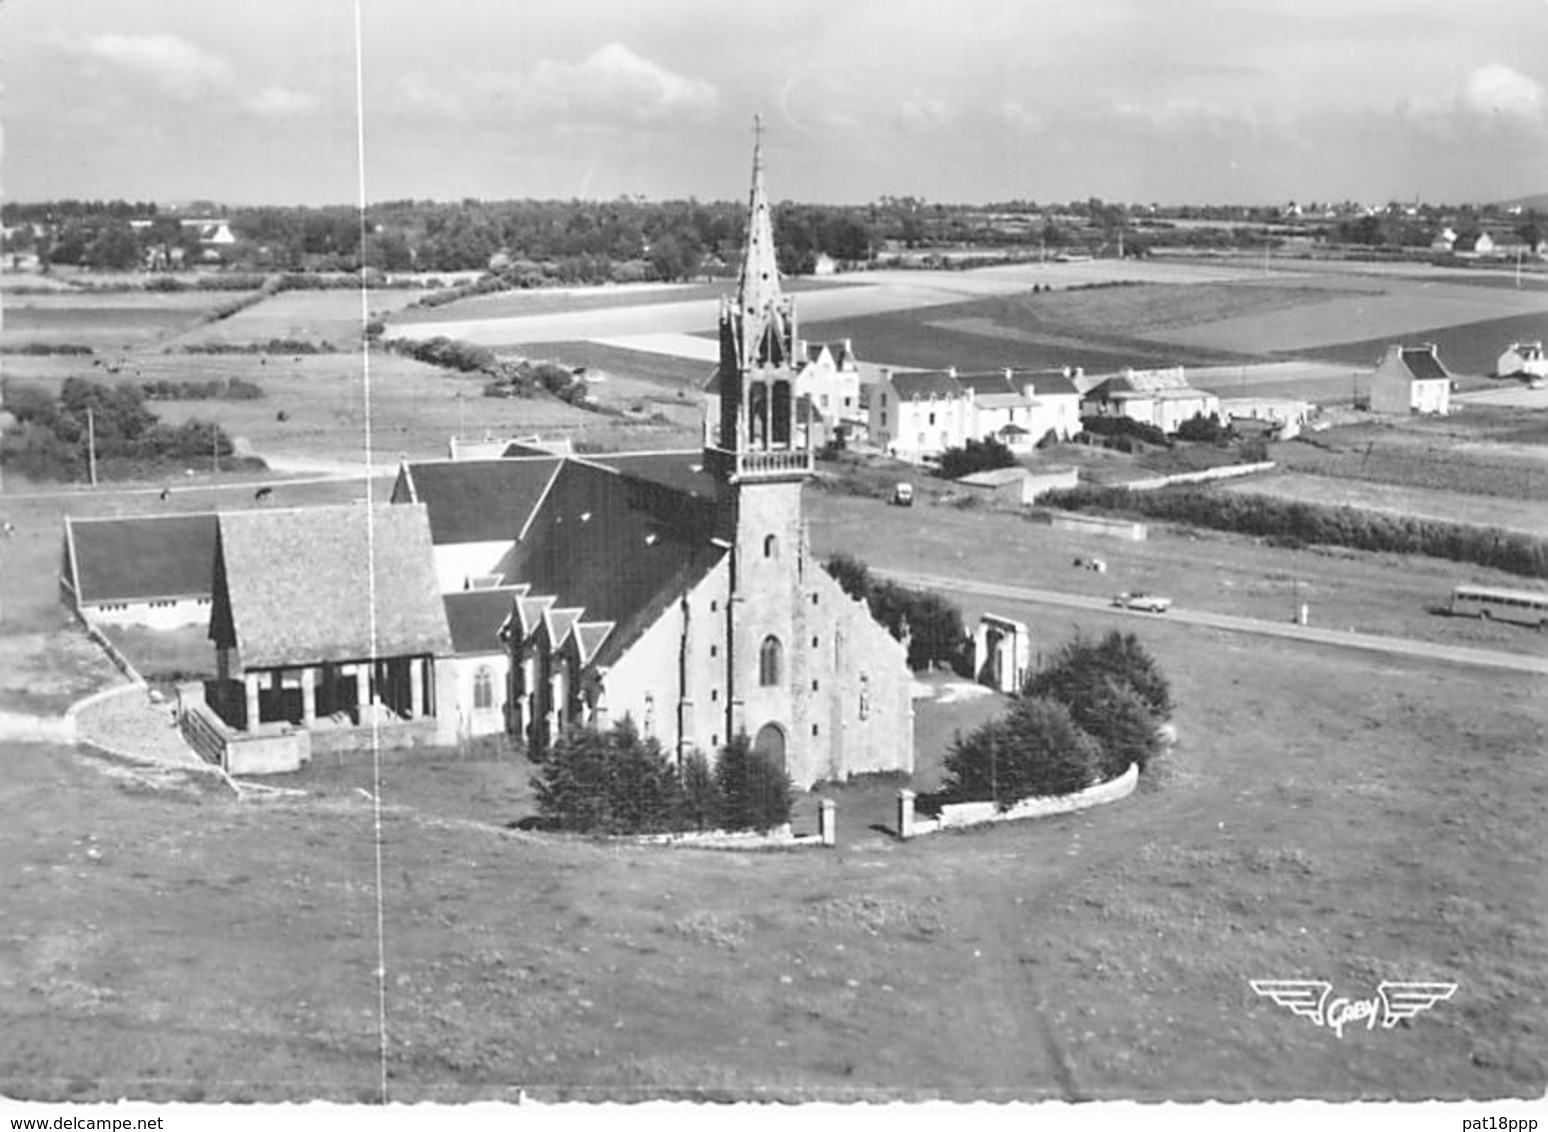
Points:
point(1181, 101)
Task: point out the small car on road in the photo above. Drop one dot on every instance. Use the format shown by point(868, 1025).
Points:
point(1146, 603)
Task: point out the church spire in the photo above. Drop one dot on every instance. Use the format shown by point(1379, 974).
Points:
point(758, 288)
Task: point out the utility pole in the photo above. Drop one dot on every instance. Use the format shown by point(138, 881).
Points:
point(91, 445)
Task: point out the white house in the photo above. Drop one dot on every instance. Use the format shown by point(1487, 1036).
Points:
point(914, 415)
point(829, 375)
point(1523, 359)
point(1411, 379)
point(1159, 397)
point(1286, 415)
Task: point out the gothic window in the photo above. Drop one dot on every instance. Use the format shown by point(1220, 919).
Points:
point(781, 412)
point(769, 662)
point(758, 416)
point(483, 689)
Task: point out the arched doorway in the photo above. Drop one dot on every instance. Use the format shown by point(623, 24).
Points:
point(770, 744)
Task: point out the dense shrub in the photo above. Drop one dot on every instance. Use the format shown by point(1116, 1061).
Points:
point(1202, 429)
point(73, 349)
point(231, 389)
point(975, 456)
point(607, 782)
point(700, 804)
point(1035, 750)
point(50, 439)
point(932, 626)
point(754, 792)
point(1079, 669)
point(1124, 426)
point(1317, 524)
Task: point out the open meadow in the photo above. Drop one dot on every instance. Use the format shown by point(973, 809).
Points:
point(1330, 817)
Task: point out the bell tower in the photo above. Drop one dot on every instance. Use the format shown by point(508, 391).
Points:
point(760, 453)
point(757, 436)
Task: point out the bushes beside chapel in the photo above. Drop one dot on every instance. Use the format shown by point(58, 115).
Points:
point(1097, 709)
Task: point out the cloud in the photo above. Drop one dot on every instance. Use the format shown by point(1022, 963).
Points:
point(277, 102)
point(1020, 119)
point(1497, 91)
point(1185, 114)
point(170, 62)
point(614, 86)
point(921, 113)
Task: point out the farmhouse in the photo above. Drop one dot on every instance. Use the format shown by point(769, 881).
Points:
point(1281, 417)
point(1159, 397)
point(1411, 379)
point(915, 415)
point(153, 571)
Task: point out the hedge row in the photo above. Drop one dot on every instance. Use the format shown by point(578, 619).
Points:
point(1317, 524)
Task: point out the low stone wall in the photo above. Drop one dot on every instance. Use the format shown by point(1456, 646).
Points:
point(36, 728)
point(1127, 529)
point(393, 736)
point(1224, 472)
point(961, 815)
point(120, 661)
point(279, 753)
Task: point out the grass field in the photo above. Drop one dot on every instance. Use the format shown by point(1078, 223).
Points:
point(1428, 503)
point(1481, 451)
point(106, 322)
point(538, 301)
point(1471, 348)
point(1328, 817)
point(330, 316)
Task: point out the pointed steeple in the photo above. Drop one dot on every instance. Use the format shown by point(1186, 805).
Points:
point(758, 287)
point(765, 314)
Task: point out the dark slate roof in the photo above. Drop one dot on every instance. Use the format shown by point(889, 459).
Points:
point(143, 558)
point(294, 586)
point(475, 616)
point(682, 470)
point(1424, 364)
point(915, 386)
point(479, 500)
point(606, 543)
point(1046, 383)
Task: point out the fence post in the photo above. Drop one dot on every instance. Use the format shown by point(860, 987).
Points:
point(827, 831)
point(905, 814)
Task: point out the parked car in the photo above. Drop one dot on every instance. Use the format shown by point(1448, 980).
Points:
point(903, 495)
point(1147, 603)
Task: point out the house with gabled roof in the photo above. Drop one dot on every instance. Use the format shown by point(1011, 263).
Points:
point(829, 374)
point(916, 415)
point(1411, 379)
point(153, 571)
point(1159, 397)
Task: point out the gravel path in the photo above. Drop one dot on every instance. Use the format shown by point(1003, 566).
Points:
point(127, 723)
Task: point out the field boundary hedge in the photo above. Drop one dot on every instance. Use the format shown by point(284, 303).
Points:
point(1296, 522)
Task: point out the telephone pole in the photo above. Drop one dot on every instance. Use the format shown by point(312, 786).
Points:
point(91, 445)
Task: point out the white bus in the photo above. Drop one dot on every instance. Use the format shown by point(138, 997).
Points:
point(1525, 607)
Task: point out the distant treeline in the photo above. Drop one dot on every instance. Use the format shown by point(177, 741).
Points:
point(1292, 522)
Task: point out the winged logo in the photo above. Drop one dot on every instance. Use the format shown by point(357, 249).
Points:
point(1305, 997)
point(1404, 1000)
point(1310, 998)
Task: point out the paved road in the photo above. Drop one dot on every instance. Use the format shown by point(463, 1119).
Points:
point(1393, 646)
